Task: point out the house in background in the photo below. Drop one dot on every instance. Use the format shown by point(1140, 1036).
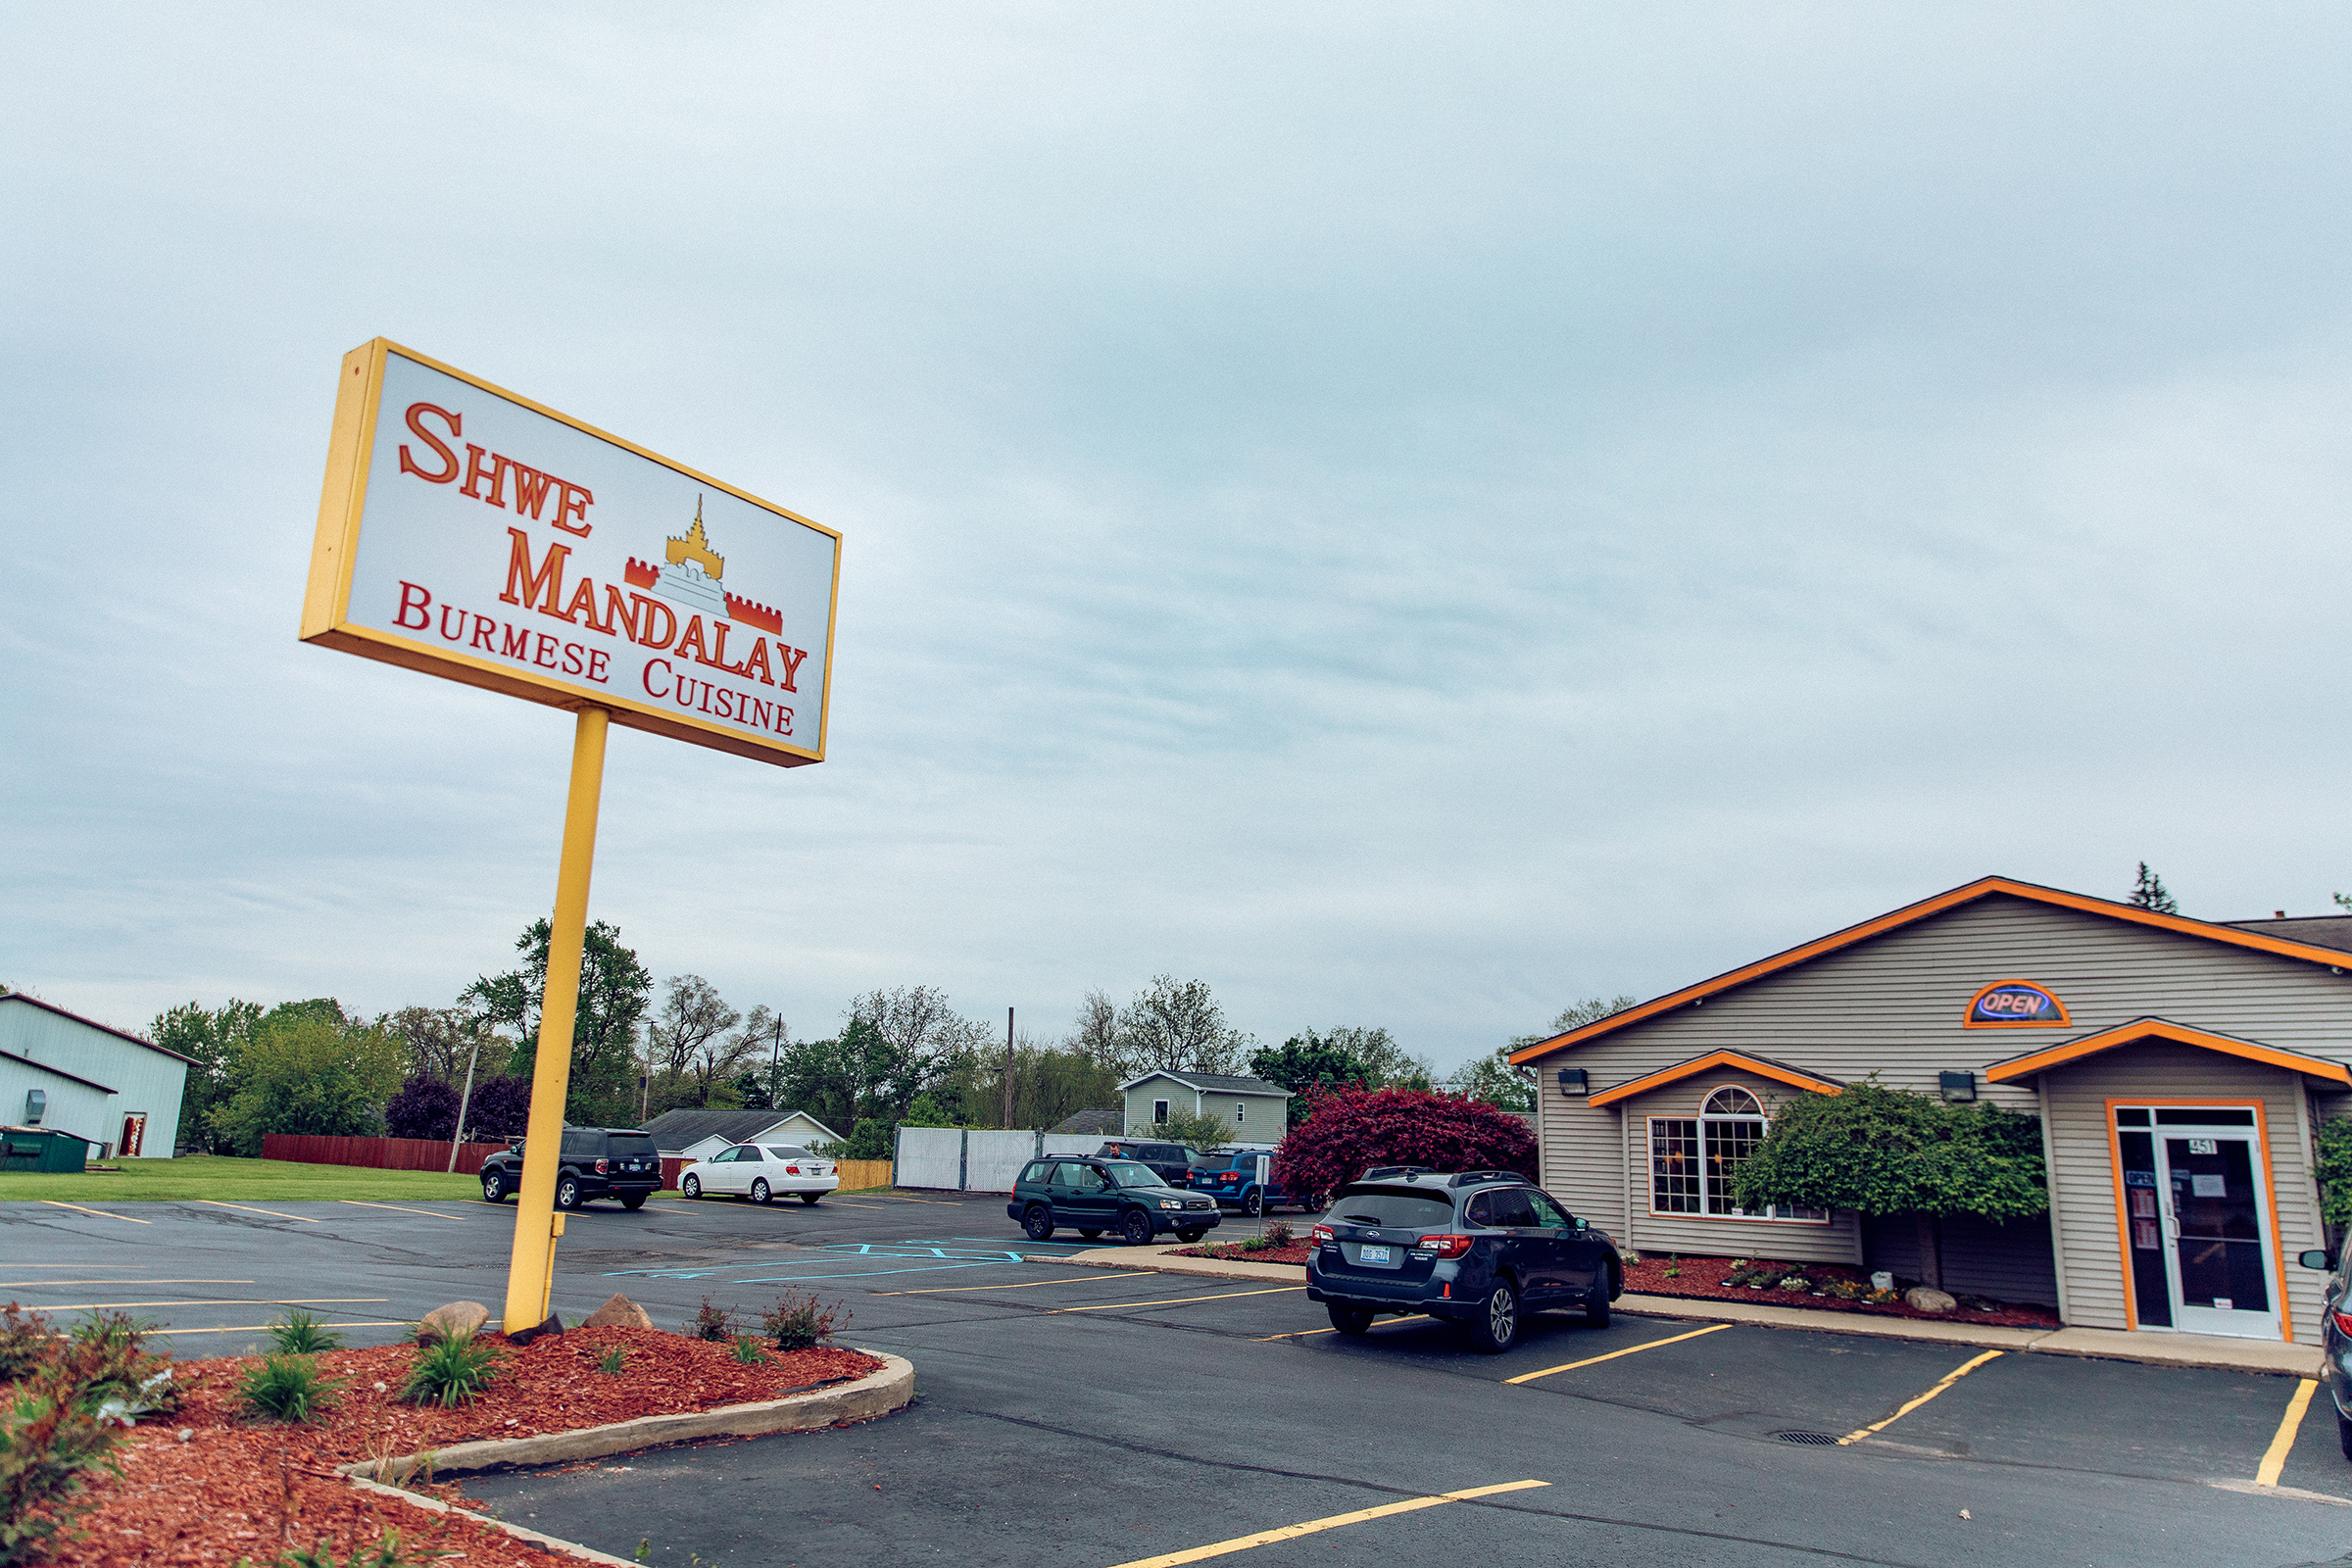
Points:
point(1257, 1111)
point(116, 1092)
point(1108, 1122)
point(689, 1134)
point(2180, 1070)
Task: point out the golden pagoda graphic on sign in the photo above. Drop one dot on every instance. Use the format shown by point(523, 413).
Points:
point(693, 577)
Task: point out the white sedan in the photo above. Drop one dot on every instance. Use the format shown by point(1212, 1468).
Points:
point(761, 1172)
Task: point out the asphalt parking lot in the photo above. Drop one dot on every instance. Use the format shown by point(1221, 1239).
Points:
point(1083, 1416)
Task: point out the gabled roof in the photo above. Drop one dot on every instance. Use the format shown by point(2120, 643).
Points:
point(687, 1126)
point(2045, 1058)
point(101, 1028)
point(1108, 1124)
point(1222, 1083)
point(1761, 1066)
point(58, 1072)
point(1986, 887)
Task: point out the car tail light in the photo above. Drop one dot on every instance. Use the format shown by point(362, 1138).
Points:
point(1447, 1246)
point(791, 1170)
point(2343, 1323)
point(1322, 1234)
point(602, 1167)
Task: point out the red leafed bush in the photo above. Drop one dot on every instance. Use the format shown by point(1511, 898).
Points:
point(1348, 1131)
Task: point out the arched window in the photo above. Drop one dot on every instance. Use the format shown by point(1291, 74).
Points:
point(1692, 1158)
point(1730, 1102)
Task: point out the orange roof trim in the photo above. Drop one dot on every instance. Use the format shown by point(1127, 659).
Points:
point(2139, 1029)
point(1912, 914)
point(1794, 1077)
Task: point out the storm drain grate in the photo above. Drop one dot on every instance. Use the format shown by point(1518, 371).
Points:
point(1820, 1440)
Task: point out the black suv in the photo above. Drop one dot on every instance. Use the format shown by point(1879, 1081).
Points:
point(1171, 1162)
point(1092, 1195)
point(1480, 1249)
point(2335, 1338)
point(598, 1162)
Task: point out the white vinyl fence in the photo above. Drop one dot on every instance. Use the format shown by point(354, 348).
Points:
point(978, 1159)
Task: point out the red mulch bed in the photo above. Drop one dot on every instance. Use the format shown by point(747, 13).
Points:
point(238, 1489)
point(1296, 1253)
point(1701, 1279)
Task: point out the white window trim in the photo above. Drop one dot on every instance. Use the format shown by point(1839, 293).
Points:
point(1241, 1112)
point(1702, 1116)
point(1160, 1113)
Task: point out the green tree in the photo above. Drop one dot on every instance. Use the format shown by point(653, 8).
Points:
point(1201, 1132)
point(1307, 1059)
point(2149, 893)
point(927, 1111)
point(306, 1071)
point(214, 1038)
point(1049, 1084)
point(1883, 1151)
point(1177, 1026)
point(1492, 1080)
point(614, 992)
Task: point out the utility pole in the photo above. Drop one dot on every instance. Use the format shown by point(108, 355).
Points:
point(775, 1058)
point(458, 1138)
point(1008, 1067)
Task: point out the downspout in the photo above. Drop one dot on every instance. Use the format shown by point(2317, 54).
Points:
point(2049, 1172)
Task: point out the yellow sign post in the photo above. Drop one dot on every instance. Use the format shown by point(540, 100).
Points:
point(525, 578)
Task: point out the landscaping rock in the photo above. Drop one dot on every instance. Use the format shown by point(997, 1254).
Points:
point(553, 1325)
point(618, 1312)
point(455, 1321)
point(1924, 1299)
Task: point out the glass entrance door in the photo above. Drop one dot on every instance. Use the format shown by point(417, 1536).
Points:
point(2216, 1218)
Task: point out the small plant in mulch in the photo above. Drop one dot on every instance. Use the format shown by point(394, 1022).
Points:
point(450, 1371)
point(748, 1351)
point(1884, 1297)
point(613, 1360)
point(289, 1388)
point(1843, 1289)
point(23, 1342)
point(1280, 1234)
point(714, 1323)
point(59, 1430)
point(801, 1322)
point(1796, 1282)
point(387, 1553)
point(298, 1333)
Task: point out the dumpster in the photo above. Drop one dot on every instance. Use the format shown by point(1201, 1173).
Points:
point(43, 1149)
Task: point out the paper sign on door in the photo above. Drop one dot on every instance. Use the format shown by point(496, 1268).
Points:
point(2208, 1187)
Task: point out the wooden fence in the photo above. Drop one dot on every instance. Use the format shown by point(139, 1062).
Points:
point(378, 1153)
point(858, 1173)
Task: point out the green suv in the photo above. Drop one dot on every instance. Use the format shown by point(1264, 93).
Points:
point(1092, 1195)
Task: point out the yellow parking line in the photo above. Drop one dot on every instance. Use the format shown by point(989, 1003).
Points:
point(1266, 1537)
point(233, 1300)
point(1630, 1349)
point(1941, 1383)
point(1181, 1301)
point(250, 1209)
point(1025, 1285)
point(100, 1212)
point(2273, 1459)
point(396, 1209)
point(1301, 1334)
point(263, 1327)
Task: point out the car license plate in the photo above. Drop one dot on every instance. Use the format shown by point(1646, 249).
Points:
point(1374, 1255)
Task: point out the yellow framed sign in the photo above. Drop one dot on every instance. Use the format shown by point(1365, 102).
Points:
point(473, 534)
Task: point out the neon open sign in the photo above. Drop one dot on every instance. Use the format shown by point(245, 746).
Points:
point(2015, 1003)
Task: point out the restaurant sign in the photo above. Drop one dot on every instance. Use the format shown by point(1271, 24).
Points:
point(2015, 1003)
point(473, 534)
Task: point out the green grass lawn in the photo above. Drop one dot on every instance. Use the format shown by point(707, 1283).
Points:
point(230, 1180)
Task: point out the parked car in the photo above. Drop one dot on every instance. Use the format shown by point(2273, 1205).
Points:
point(1172, 1162)
point(1480, 1248)
point(761, 1172)
point(2336, 1336)
point(1229, 1176)
point(1092, 1195)
point(597, 1162)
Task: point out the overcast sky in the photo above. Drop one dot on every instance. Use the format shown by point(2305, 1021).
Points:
point(1410, 514)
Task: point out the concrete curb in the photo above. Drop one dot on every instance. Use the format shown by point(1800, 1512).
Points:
point(2111, 1344)
point(552, 1546)
point(877, 1393)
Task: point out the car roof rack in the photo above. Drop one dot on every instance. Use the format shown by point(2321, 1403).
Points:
point(1380, 1173)
point(1471, 1178)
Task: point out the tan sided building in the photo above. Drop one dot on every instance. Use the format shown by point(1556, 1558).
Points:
point(2181, 1069)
